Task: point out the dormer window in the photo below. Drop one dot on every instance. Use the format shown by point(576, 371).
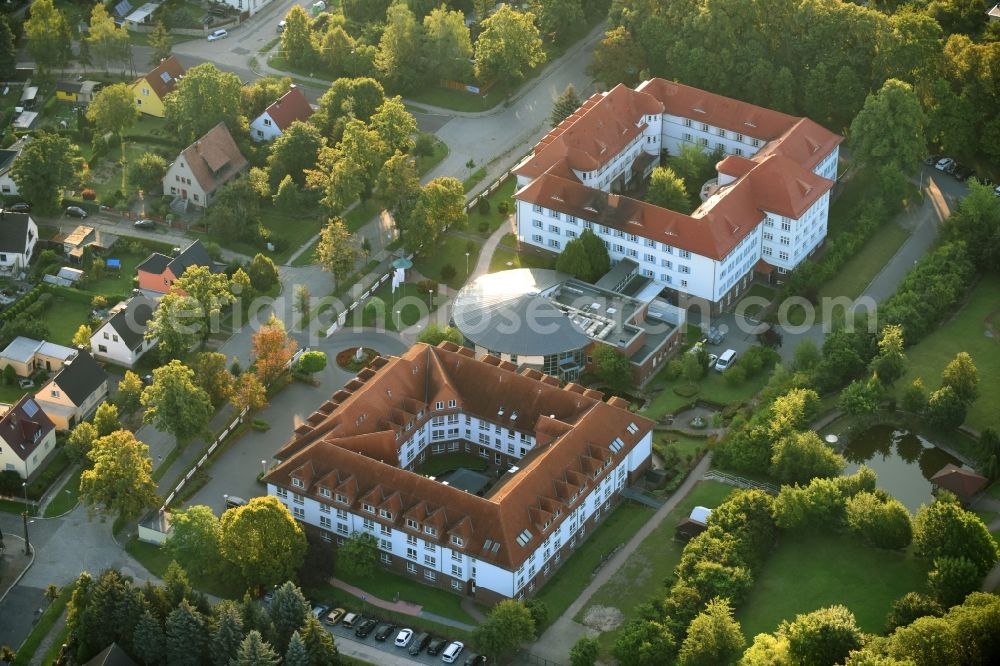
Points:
point(430, 530)
point(367, 507)
point(340, 498)
point(298, 483)
point(457, 541)
point(452, 404)
point(384, 514)
point(439, 405)
point(412, 524)
point(325, 492)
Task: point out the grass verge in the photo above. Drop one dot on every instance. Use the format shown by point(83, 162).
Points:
point(156, 560)
point(855, 275)
point(67, 497)
point(44, 625)
point(506, 257)
point(390, 586)
point(449, 251)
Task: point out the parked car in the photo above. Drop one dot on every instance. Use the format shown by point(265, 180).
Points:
point(945, 164)
point(144, 224)
point(435, 646)
point(404, 637)
point(715, 336)
point(320, 611)
point(475, 660)
point(281, 26)
point(726, 360)
point(217, 34)
point(365, 628)
point(962, 172)
point(418, 643)
point(451, 652)
point(712, 358)
point(335, 616)
point(350, 620)
point(20, 207)
point(76, 211)
point(384, 631)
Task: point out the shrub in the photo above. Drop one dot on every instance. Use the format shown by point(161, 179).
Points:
point(88, 194)
point(503, 208)
point(483, 206)
point(424, 144)
point(674, 369)
point(9, 375)
point(447, 272)
point(428, 285)
point(735, 375)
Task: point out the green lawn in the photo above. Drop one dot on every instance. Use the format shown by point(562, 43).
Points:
point(63, 319)
point(575, 573)
point(12, 393)
point(360, 215)
point(810, 571)
point(388, 586)
point(712, 388)
point(290, 231)
point(642, 578)
point(493, 218)
point(409, 311)
point(449, 462)
point(67, 497)
point(965, 332)
point(474, 179)
point(685, 445)
point(506, 257)
point(427, 162)
point(156, 561)
point(757, 290)
point(117, 282)
point(855, 275)
point(449, 250)
point(13, 506)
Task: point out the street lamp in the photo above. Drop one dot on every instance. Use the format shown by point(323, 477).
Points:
point(263, 467)
point(399, 321)
point(27, 543)
point(24, 485)
point(466, 264)
point(430, 293)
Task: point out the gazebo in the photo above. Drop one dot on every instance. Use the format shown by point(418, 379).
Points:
point(963, 482)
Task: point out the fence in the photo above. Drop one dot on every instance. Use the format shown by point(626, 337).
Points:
point(204, 458)
point(740, 482)
point(494, 186)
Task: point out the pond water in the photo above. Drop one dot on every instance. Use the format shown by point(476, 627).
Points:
point(903, 461)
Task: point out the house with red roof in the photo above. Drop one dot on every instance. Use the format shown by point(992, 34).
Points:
point(554, 461)
point(276, 118)
point(27, 437)
point(765, 212)
point(205, 166)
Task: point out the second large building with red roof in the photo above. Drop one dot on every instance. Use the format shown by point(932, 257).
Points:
point(766, 211)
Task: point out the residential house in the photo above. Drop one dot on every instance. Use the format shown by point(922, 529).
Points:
point(276, 118)
point(77, 92)
point(122, 338)
point(27, 438)
point(150, 91)
point(249, 7)
point(556, 461)
point(158, 272)
point(7, 157)
point(205, 166)
point(764, 213)
point(18, 235)
point(29, 356)
point(994, 13)
point(75, 392)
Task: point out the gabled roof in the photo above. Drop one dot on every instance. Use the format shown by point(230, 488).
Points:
point(292, 106)
point(163, 79)
point(79, 377)
point(112, 655)
point(963, 482)
point(194, 254)
point(24, 426)
point(14, 231)
point(351, 443)
point(130, 321)
point(214, 159)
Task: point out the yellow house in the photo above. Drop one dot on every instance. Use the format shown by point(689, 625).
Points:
point(77, 92)
point(151, 90)
point(74, 393)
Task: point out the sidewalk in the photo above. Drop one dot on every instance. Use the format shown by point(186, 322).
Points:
point(554, 645)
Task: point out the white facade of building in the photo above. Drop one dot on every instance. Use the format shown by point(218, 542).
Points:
point(263, 128)
point(431, 560)
point(252, 6)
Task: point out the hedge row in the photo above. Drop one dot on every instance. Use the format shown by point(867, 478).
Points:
point(23, 303)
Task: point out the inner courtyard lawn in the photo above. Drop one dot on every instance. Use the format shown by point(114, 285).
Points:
point(966, 331)
point(810, 571)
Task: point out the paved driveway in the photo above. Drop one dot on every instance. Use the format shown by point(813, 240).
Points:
point(380, 653)
point(235, 471)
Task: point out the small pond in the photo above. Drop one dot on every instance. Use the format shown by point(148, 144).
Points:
point(903, 461)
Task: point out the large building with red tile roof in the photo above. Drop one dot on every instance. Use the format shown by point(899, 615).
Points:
point(277, 118)
point(550, 462)
point(767, 209)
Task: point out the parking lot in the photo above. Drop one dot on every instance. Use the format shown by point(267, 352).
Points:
point(383, 653)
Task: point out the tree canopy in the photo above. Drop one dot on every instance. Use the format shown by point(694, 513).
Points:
point(120, 480)
point(508, 46)
point(262, 541)
point(45, 167)
point(203, 98)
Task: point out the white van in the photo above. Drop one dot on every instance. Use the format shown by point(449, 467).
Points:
point(350, 619)
point(726, 360)
point(451, 652)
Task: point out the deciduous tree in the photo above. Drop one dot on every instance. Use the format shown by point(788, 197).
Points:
point(176, 324)
point(129, 392)
point(800, 457)
point(212, 375)
point(559, 19)
point(46, 166)
point(398, 186)
point(8, 54)
point(890, 363)
point(107, 41)
point(440, 206)
point(713, 637)
point(825, 636)
point(611, 366)
point(666, 189)
point(194, 539)
point(887, 135)
point(394, 125)
point(293, 152)
point(597, 254)
point(574, 260)
point(175, 403)
point(944, 529)
point(508, 46)
point(263, 273)
point(203, 98)
point(272, 350)
point(312, 362)
point(210, 291)
point(262, 541)
point(508, 625)
point(358, 557)
point(82, 336)
point(584, 651)
point(296, 39)
point(338, 250)
point(260, 94)
point(106, 419)
point(952, 578)
point(447, 45)
point(146, 172)
point(160, 43)
point(945, 410)
point(346, 99)
point(643, 643)
point(963, 377)
point(248, 393)
point(435, 334)
point(81, 439)
point(48, 37)
point(400, 49)
point(909, 607)
point(619, 58)
point(120, 482)
point(884, 523)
